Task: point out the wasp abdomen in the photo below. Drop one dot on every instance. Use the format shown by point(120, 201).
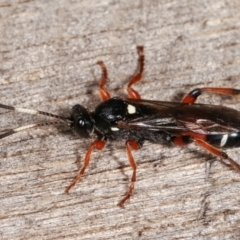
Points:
point(224, 140)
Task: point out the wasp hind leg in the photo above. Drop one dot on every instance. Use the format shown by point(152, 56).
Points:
point(181, 140)
point(218, 153)
point(194, 94)
point(201, 140)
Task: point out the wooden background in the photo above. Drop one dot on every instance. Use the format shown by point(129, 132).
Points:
point(49, 51)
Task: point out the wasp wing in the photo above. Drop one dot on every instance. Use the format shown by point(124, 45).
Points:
point(175, 117)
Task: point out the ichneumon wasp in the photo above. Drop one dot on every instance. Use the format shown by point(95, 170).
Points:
point(137, 120)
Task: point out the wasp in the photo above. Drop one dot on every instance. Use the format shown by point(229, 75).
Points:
point(137, 120)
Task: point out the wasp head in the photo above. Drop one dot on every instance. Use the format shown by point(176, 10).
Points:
point(82, 124)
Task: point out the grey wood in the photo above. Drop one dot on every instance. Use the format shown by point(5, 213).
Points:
point(49, 51)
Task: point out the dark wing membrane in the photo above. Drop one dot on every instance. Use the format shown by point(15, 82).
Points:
point(175, 117)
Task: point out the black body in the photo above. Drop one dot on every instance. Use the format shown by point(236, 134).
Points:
point(158, 121)
point(136, 120)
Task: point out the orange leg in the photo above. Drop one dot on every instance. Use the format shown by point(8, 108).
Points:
point(181, 140)
point(218, 153)
point(188, 137)
point(194, 94)
point(104, 94)
point(130, 144)
point(99, 145)
point(137, 77)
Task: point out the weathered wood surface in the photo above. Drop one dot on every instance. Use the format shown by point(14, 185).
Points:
point(49, 51)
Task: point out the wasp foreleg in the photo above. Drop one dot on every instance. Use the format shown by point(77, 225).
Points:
point(103, 92)
point(99, 145)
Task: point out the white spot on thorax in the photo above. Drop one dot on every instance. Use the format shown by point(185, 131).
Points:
point(224, 140)
point(131, 109)
point(114, 129)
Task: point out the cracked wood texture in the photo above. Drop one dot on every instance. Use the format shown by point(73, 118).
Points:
point(49, 51)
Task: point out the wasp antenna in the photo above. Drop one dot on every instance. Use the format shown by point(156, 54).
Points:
point(23, 128)
point(34, 112)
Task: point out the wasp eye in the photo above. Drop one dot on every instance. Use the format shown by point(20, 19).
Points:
point(81, 122)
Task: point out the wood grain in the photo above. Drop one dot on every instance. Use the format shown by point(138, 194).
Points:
point(49, 51)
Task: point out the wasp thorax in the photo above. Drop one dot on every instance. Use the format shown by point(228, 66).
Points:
point(82, 122)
